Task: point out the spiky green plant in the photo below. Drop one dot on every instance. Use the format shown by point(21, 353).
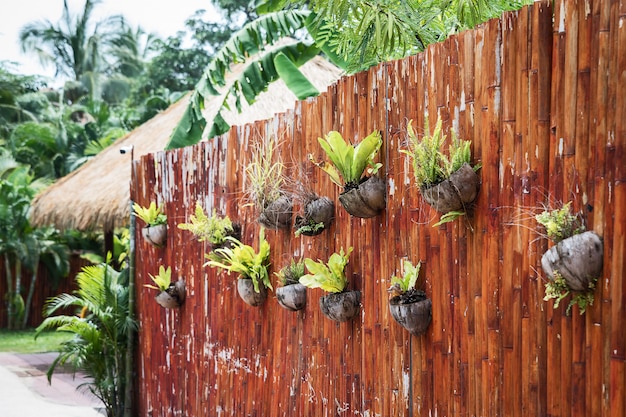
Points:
point(244, 260)
point(99, 345)
point(152, 215)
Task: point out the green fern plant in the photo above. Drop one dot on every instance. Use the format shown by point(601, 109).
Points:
point(213, 229)
point(560, 223)
point(557, 289)
point(290, 274)
point(430, 164)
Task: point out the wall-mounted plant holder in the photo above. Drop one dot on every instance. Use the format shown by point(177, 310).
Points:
point(454, 193)
point(155, 235)
point(173, 297)
point(341, 306)
point(366, 200)
point(245, 288)
point(291, 297)
point(414, 315)
point(277, 214)
point(578, 259)
point(318, 215)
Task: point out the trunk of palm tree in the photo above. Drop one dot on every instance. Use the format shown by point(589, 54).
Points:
point(9, 294)
point(29, 298)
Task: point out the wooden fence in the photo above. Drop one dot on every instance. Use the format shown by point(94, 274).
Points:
point(539, 93)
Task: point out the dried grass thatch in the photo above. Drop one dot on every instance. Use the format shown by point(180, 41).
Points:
point(97, 195)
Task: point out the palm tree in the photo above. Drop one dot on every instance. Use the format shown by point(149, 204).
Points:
point(101, 332)
point(74, 46)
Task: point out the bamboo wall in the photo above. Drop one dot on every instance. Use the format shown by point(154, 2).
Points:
point(543, 107)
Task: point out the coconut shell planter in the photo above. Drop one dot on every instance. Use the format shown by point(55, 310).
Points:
point(454, 193)
point(342, 306)
point(277, 215)
point(412, 310)
point(578, 259)
point(245, 288)
point(291, 297)
point(318, 215)
point(155, 235)
point(173, 297)
point(366, 200)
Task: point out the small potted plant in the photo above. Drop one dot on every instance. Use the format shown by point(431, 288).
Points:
point(291, 294)
point(171, 295)
point(265, 188)
point(574, 263)
point(364, 194)
point(212, 229)
point(339, 304)
point(155, 230)
point(409, 306)
point(251, 266)
point(447, 182)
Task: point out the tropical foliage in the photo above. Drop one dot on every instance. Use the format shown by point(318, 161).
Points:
point(409, 278)
point(213, 229)
point(291, 273)
point(560, 223)
point(430, 164)
point(152, 215)
point(349, 161)
point(353, 35)
point(329, 276)
point(244, 260)
point(162, 280)
point(101, 332)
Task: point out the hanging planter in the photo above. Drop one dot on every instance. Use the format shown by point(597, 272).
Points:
point(291, 297)
point(277, 214)
point(574, 263)
point(366, 200)
point(251, 266)
point(245, 288)
point(447, 182)
point(362, 196)
point(455, 193)
point(290, 294)
point(578, 259)
point(155, 235)
point(155, 230)
point(318, 215)
point(412, 310)
point(341, 306)
point(265, 183)
point(409, 306)
point(173, 296)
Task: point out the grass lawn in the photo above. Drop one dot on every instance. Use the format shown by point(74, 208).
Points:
point(23, 341)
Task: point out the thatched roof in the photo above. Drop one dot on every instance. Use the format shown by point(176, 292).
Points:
point(97, 195)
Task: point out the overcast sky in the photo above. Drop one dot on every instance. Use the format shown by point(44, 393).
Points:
point(165, 17)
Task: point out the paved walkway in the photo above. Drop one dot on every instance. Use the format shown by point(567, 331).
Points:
point(25, 392)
